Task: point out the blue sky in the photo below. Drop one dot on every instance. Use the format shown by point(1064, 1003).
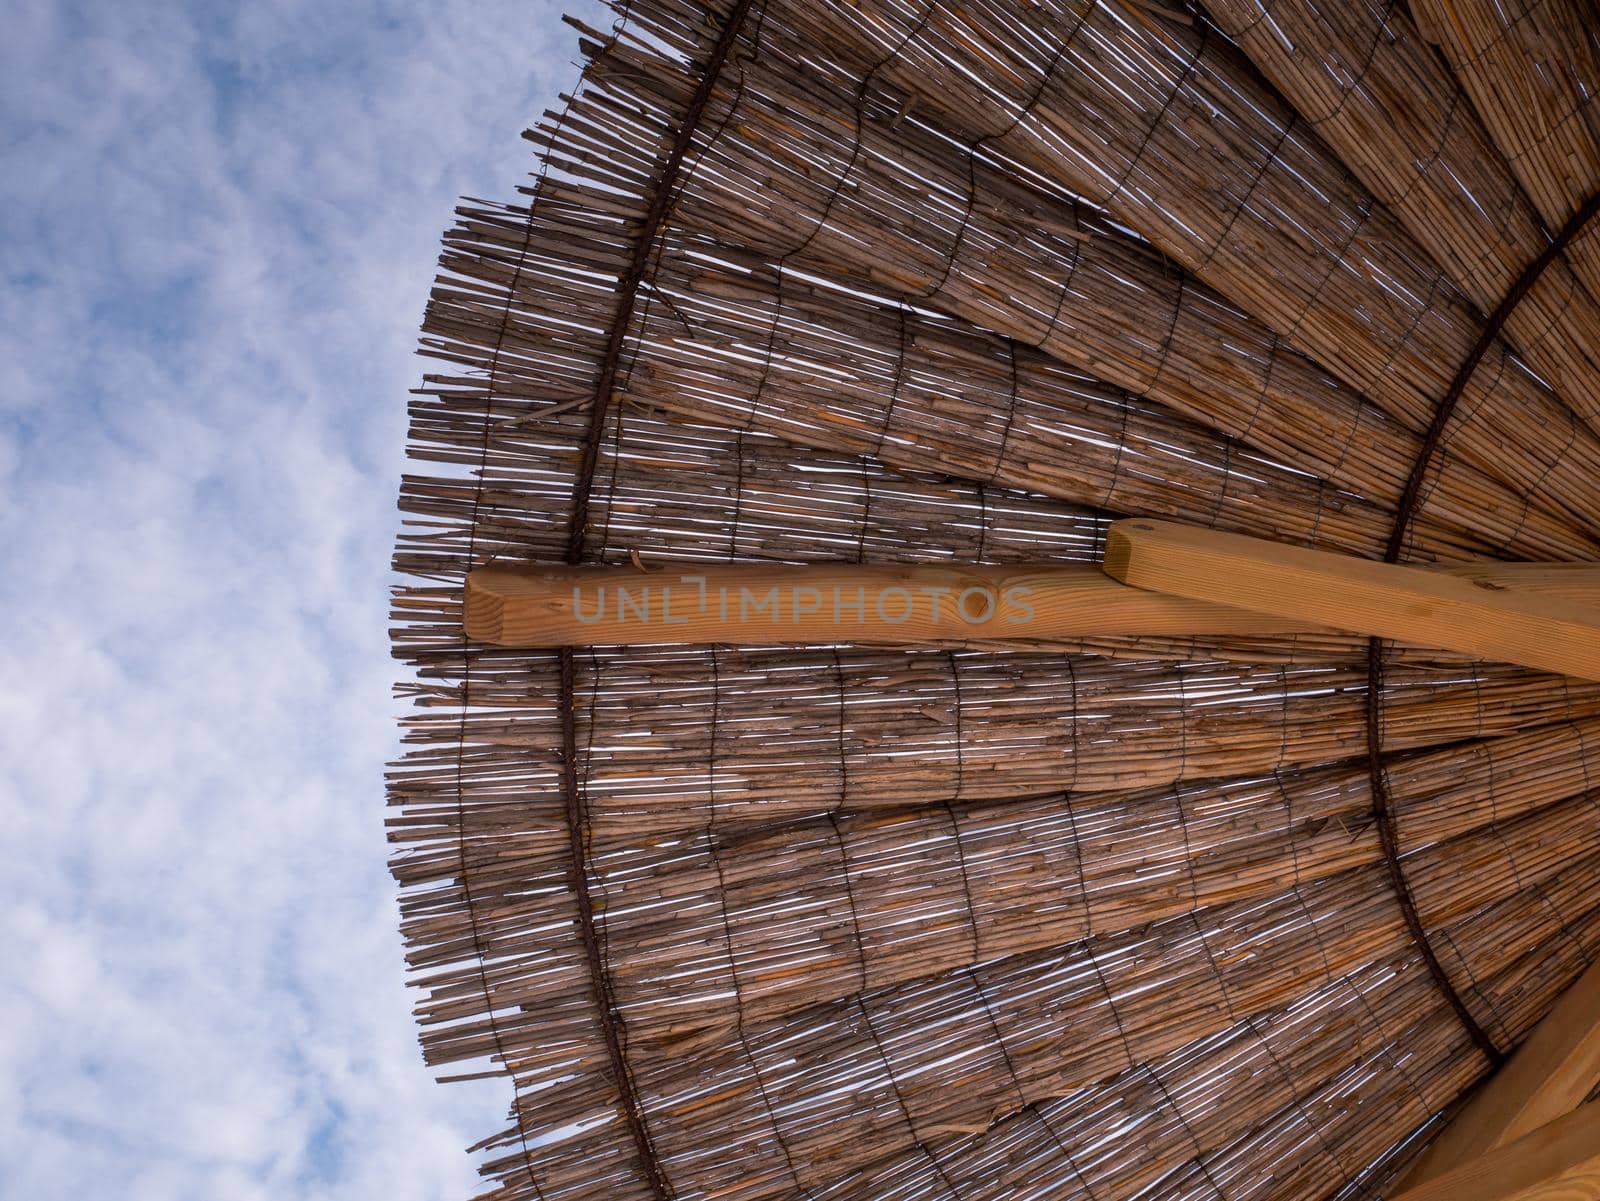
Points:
point(217, 229)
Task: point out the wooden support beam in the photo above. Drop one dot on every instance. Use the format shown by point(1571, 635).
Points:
point(1409, 604)
point(580, 606)
point(1559, 1161)
point(1557, 1066)
point(753, 603)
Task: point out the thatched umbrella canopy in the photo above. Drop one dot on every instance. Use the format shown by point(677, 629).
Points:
point(918, 281)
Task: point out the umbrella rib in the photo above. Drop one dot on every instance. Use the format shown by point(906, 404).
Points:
point(572, 794)
point(1410, 501)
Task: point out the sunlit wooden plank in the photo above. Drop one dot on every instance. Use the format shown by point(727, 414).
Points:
point(754, 603)
point(1557, 1066)
point(1559, 1161)
point(1410, 604)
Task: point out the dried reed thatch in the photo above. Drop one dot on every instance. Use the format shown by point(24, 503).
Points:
point(918, 281)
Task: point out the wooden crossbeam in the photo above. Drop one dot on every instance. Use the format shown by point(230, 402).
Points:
point(1559, 1161)
point(841, 602)
point(753, 603)
point(1410, 604)
point(1557, 1066)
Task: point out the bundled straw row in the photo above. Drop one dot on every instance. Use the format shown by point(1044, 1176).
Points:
point(1406, 1063)
point(683, 738)
point(1532, 70)
point(716, 932)
point(1284, 1105)
point(1362, 77)
point(925, 1066)
point(677, 493)
point(1010, 875)
point(928, 393)
point(1168, 128)
point(798, 167)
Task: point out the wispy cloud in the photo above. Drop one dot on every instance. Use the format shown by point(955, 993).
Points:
point(217, 228)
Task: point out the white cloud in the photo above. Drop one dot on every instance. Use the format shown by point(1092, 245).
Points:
point(217, 229)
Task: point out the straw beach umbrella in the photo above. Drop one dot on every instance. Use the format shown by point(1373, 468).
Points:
point(1161, 894)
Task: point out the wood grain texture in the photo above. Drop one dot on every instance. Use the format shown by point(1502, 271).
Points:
point(1549, 1076)
point(1477, 616)
point(890, 603)
point(1559, 1161)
